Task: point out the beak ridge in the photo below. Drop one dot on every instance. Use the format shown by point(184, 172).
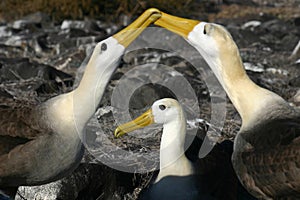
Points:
point(143, 120)
point(178, 25)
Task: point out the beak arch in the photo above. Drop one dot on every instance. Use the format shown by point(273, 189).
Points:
point(143, 120)
point(131, 32)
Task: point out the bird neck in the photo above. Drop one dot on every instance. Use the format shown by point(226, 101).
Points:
point(248, 98)
point(88, 94)
point(172, 158)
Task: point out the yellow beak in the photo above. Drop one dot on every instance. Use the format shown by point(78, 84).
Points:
point(144, 120)
point(178, 25)
point(128, 34)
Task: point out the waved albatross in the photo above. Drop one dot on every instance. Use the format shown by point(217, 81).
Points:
point(266, 153)
point(42, 143)
point(176, 179)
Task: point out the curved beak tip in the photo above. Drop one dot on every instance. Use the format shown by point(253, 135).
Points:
point(128, 34)
point(153, 10)
point(144, 120)
point(118, 132)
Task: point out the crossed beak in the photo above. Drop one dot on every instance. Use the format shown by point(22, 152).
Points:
point(178, 25)
point(143, 120)
point(131, 32)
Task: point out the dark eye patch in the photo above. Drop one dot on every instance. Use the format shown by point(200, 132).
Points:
point(162, 107)
point(103, 46)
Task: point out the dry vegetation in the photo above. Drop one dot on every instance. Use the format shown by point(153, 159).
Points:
point(237, 11)
point(110, 10)
point(78, 9)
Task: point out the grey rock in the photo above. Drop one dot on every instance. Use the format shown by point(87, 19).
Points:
point(88, 26)
point(76, 186)
point(32, 21)
point(39, 78)
point(5, 31)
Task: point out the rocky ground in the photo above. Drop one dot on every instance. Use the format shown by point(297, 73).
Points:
point(40, 59)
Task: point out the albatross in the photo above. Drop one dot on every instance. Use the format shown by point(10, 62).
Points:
point(266, 155)
point(42, 143)
point(176, 178)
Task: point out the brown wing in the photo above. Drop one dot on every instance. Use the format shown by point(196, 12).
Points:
point(272, 165)
point(19, 123)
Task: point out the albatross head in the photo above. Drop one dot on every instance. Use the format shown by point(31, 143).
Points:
point(165, 110)
point(208, 38)
point(162, 111)
point(212, 41)
point(109, 51)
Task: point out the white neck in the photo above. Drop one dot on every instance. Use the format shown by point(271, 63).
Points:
point(247, 97)
point(94, 81)
point(172, 158)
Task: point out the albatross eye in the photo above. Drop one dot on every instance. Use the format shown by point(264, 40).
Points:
point(162, 107)
point(204, 30)
point(103, 46)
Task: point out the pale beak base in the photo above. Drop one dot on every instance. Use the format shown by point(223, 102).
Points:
point(178, 25)
point(143, 120)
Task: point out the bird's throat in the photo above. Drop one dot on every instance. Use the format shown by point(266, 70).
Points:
point(172, 158)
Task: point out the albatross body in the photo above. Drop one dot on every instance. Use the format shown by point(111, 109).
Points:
point(176, 178)
point(41, 143)
point(266, 154)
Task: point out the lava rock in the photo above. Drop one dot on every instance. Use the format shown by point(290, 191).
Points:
point(32, 21)
point(48, 79)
